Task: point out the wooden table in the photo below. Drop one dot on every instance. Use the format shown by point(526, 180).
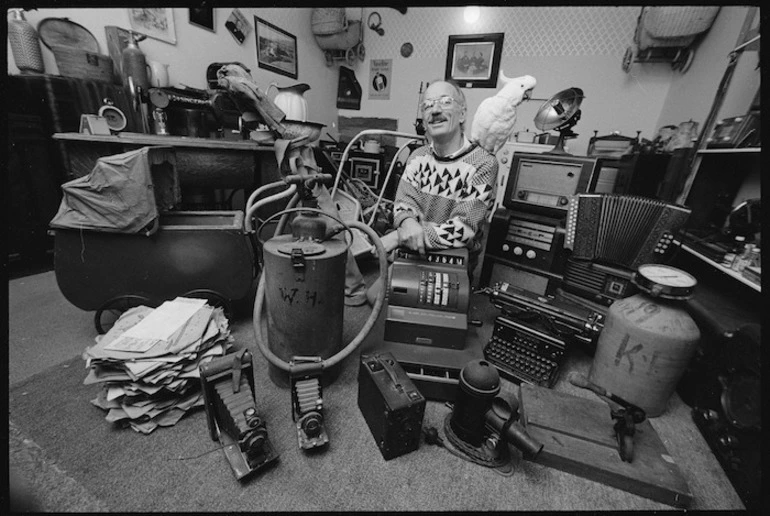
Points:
point(203, 163)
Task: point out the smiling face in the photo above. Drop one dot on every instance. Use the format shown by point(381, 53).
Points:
point(443, 123)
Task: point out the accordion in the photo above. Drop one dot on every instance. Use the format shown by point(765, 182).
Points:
point(622, 230)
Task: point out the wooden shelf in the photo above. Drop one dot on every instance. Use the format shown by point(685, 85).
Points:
point(175, 141)
point(736, 275)
point(729, 150)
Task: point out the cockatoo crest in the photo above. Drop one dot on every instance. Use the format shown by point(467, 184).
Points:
point(495, 118)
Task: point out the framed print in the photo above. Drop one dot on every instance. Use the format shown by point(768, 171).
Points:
point(474, 60)
point(202, 17)
point(154, 22)
point(276, 49)
point(238, 26)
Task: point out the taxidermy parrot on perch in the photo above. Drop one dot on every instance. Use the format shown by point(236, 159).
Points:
point(496, 116)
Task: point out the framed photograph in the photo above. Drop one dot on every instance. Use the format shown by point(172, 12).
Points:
point(202, 17)
point(238, 26)
point(154, 22)
point(474, 60)
point(276, 49)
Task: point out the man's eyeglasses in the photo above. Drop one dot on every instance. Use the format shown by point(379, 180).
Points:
point(444, 102)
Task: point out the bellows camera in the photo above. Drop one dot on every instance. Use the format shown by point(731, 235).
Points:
point(391, 404)
point(231, 411)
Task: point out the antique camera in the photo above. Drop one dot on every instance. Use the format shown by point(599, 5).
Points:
point(231, 411)
point(391, 404)
point(307, 402)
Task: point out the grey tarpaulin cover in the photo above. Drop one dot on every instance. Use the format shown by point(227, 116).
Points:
point(116, 197)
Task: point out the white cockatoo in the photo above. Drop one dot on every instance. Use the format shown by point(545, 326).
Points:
point(496, 116)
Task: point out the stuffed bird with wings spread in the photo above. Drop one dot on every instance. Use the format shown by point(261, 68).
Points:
point(496, 116)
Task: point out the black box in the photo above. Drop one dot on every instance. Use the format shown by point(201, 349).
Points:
point(391, 404)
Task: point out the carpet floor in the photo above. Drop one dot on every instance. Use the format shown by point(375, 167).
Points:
point(61, 443)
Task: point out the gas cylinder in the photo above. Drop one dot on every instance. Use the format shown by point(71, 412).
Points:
point(25, 43)
point(134, 64)
point(648, 339)
point(304, 292)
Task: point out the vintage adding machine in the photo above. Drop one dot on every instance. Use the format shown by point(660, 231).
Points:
point(231, 411)
point(429, 298)
point(426, 323)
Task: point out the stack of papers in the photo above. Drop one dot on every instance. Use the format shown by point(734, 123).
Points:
point(148, 363)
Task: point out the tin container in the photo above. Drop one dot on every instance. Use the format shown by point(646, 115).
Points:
point(644, 349)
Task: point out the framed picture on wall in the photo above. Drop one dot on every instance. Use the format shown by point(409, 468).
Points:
point(154, 22)
point(203, 18)
point(238, 26)
point(473, 60)
point(276, 49)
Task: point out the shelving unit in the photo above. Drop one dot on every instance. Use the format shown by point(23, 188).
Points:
point(729, 272)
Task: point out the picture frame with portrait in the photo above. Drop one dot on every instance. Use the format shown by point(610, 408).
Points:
point(473, 60)
point(153, 22)
point(276, 49)
point(203, 18)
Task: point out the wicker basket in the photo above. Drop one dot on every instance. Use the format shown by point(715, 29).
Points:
point(74, 62)
point(326, 21)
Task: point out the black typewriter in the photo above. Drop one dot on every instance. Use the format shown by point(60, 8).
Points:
point(523, 354)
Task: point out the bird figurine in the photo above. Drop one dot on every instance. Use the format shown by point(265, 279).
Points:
point(496, 116)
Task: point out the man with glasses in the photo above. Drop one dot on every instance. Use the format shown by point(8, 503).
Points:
point(448, 185)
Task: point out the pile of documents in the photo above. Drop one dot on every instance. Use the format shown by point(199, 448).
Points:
point(147, 364)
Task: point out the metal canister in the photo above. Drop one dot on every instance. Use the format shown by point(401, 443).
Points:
point(304, 296)
point(647, 341)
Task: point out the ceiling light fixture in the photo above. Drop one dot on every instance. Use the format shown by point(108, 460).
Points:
point(471, 14)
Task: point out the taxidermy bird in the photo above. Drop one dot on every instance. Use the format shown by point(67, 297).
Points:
point(249, 99)
point(496, 116)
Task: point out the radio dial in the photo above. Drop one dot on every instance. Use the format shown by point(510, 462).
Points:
point(563, 201)
point(531, 254)
point(521, 194)
point(504, 160)
point(506, 247)
point(518, 251)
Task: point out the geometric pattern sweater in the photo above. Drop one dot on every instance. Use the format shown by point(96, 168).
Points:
point(449, 197)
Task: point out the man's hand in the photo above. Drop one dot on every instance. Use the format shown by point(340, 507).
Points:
point(411, 235)
point(389, 242)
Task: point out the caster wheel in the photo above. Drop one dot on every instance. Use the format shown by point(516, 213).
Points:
point(628, 59)
point(213, 298)
point(350, 56)
point(361, 52)
point(110, 312)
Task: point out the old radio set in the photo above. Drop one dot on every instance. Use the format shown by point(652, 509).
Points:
point(526, 235)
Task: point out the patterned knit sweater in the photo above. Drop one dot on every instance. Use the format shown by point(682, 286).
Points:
point(449, 197)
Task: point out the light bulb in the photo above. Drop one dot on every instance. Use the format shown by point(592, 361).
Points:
point(471, 14)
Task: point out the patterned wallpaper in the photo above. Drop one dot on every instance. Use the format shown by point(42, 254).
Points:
point(529, 31)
